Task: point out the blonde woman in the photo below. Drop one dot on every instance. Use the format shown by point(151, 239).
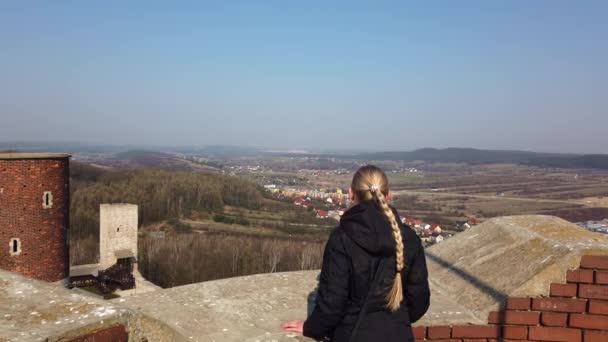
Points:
point(374, 281)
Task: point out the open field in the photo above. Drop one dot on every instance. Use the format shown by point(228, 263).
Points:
point(449, 207)
point(242, 229)
point(450, 192)
point(455, 192)
point(511, 180)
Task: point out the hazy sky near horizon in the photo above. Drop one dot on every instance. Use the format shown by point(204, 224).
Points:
point(373, 75)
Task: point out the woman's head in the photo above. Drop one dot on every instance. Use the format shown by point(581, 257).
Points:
point(371, 183)
point(363, 180)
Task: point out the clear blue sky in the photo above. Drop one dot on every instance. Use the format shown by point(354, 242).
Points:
point(371, 75)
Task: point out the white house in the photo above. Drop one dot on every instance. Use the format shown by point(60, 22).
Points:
point(437, 238)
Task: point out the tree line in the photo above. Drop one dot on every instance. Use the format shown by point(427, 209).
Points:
point(179, 259)
point(160, 195)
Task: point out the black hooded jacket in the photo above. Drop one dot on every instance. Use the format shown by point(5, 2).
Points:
point(351, 256)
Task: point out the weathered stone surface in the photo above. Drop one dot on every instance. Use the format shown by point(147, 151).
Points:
point(32, 310)
point(509, 256)
point(117, 232)
point(237, 309)
point(252, 308)
point(469, 274)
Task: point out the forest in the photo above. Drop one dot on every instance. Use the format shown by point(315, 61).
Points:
point(180, 259)
point(183, 254)
point(160, 194)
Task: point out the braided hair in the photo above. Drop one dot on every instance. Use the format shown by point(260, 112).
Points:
point(371, 183)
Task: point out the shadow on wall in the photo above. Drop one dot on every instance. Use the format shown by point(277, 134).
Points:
point(574, 311)
point(497, 295)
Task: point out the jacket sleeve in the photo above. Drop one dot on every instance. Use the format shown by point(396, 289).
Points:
point(333, 290)
point(417, 292)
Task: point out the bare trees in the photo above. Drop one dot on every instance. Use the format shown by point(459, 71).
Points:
point(160, 195)
point(180, 259)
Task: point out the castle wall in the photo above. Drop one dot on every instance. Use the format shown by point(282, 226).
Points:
point(34, 215)
point(575, 310)
point(117, 232)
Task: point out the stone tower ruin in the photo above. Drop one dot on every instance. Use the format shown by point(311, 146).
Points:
point(117, 233)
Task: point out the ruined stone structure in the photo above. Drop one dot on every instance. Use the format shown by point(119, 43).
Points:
point(117, 251)
point(34, 214)
point(251, 308)
point(575, 310)
point(117, 233)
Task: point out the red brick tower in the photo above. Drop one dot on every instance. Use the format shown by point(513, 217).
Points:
point(34, 214)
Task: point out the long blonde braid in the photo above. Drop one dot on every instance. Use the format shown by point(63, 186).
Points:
point(370, 182)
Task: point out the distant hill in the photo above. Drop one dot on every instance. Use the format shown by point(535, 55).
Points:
point(153, 159)
point(475, 156)
point(61, 147)
point(221, 150)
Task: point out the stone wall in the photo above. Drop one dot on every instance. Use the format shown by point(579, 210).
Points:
point(34, 215)
point(117, 231)
point(576, 310)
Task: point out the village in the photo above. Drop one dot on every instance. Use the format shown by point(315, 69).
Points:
point(595, 226)
point(332, 203)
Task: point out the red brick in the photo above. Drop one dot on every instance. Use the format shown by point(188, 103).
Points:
point(595, 261)
point(42, 232)
point(447, 340)
point(559, 304)
point(518, 303)
point(593, 291)
point(563, 290)
point(601, 277)
point(589, 321)
point(419, 332)
point(554, 319)
point(515, 332)
point(598, 307)
point(476, 331)
point(495, 317)
point(474, 340)
point(580, 276)
point(116, 333)
point(555, 334)
point(514, 317)
point(596, 336)
point(438, 332)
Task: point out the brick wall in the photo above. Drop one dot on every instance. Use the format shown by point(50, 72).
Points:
point(575, 311)
point(42, 232)
point(116, 333)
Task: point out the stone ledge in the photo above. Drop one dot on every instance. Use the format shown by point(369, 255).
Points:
point(33, 155)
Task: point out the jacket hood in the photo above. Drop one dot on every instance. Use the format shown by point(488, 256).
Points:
point(367, 226)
